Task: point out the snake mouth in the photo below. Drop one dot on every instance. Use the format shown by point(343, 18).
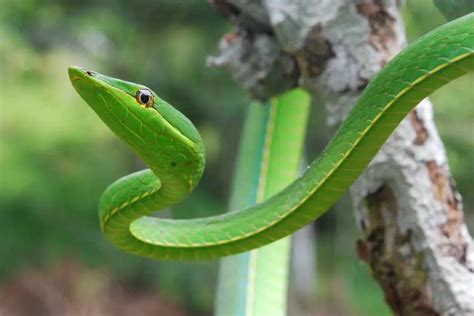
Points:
point(77, 73)
point(92, 86)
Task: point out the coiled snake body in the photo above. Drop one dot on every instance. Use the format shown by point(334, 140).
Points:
point(170, 145)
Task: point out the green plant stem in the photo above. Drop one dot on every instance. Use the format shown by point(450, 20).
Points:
point(256, 282)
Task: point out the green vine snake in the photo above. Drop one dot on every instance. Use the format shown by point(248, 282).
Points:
point(172, 148)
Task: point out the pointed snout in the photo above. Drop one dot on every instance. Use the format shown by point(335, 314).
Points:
point(77, 73)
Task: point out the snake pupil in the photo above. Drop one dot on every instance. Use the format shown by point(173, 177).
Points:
point(144, 98)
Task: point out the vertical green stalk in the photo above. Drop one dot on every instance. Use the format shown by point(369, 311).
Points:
point(255, 283)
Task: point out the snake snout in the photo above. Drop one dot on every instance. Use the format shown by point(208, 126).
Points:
point(76, 72)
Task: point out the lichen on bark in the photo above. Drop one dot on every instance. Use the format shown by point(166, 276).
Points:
point(413, 233)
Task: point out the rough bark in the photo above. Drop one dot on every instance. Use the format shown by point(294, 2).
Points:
point(413, 233)
point(303, 272)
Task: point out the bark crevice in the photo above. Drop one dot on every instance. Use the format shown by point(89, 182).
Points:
point(413, 233)
point(391, 256)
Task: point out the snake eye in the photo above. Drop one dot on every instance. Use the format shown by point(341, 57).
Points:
point(144, 97)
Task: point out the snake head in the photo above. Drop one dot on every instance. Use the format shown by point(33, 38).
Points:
point(160, 134)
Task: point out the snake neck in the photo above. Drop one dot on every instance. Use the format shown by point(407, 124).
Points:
point(162, 136)
point(179, 175)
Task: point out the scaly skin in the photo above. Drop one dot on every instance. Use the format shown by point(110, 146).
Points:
point(172, 148)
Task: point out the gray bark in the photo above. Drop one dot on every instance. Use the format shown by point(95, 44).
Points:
point(413, 233)
point(303, 272)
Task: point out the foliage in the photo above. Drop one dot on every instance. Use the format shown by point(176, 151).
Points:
point(56, 156)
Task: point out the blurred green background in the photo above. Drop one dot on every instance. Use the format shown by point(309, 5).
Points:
point(57, 157)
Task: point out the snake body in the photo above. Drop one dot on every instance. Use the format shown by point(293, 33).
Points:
point(172, 148)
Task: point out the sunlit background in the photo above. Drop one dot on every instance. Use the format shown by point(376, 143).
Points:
point(57, 157)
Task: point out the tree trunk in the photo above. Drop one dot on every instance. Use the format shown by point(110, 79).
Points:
point(413, 232)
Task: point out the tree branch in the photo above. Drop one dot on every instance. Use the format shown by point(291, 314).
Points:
point(413, 232)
